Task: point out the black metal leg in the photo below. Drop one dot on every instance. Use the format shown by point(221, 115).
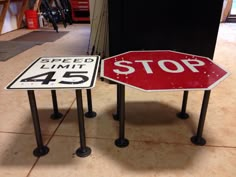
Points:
point(56, 114)
point(41, 149)
point(121, 141)
point(90, 113)
point(116, 115)
point(198, 139)
point(183, 114)
point(83, 150)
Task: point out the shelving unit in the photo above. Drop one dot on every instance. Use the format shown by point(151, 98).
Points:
point(80, 10)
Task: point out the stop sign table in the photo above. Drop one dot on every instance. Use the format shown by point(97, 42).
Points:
point(162, 71)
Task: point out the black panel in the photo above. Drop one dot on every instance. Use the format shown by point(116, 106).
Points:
point(185, 26)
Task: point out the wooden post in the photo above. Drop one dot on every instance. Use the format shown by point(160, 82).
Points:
point(4, 12)
point(37, 4)
point(21, 13)
point(226, 10)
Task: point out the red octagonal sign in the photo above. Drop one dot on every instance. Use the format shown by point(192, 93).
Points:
point(162, 70)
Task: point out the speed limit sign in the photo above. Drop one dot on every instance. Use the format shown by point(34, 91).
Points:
point(58, 73)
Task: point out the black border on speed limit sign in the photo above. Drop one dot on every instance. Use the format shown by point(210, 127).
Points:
point(58, 73)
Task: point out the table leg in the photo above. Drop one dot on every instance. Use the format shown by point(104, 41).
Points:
point(198, 139)
point(90, 113)
point(56, 114)
point(41, 149)
point(116, 115)
point(83, 150)
point(183, 114)
point(121, 141)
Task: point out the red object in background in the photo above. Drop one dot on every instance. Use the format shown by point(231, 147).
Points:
point(80, 10)
point(162, 70)
point(31, 17)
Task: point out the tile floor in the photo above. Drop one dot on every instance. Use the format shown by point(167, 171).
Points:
point(159, 142)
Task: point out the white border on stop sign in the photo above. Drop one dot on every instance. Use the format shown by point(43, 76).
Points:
point(185, 89)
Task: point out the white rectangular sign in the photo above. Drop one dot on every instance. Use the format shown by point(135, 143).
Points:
point(58, 73)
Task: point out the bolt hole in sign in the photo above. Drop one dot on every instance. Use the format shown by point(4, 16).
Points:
point(58, 73)
point(162, 70)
